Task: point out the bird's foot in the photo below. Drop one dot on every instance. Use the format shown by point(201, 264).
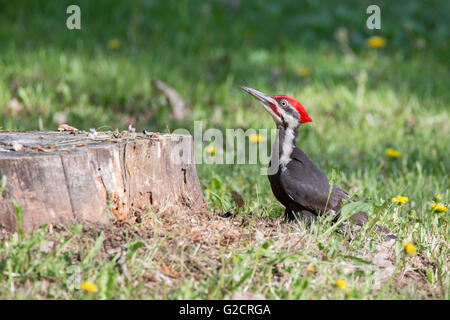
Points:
point(302, 215)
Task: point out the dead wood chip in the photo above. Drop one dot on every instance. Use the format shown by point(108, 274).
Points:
point(173, 98)
point(92, 133)
point(49, 148)
point(238, 200)
point(151, 134)
point(131, 128)
point(39, 147)
point(16, 146)
point(66, 127)
point(247, 296)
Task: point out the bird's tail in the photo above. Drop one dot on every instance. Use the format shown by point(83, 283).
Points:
point(360, 218)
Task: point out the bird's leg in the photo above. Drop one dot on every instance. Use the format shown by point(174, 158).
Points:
point(307, 216)
point(303, 215)
point(289, 215)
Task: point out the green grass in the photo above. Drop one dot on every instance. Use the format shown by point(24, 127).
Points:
point(361, 104)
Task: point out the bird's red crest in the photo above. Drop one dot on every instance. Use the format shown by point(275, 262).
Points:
point(297, 105)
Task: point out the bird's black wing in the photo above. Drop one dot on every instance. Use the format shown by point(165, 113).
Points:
point(306, 185)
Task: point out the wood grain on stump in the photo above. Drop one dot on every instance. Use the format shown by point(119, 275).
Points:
point(70, 177)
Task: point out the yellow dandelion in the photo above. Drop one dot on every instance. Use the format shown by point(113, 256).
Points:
point(211, 150)
point(304, 72)
point(393, 153)
point(114, 44)
point(341, 284)
point(409, 247)
point(256, 138)
point(376, 42)
point(310, 269)
point(89, 286)
point(439, 207)
point(438, 196)
point(400, 199)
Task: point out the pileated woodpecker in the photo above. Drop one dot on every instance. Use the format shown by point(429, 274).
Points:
point(298, 183)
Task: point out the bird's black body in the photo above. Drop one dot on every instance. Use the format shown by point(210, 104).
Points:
point(300, 185)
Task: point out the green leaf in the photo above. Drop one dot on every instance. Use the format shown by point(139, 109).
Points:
point(378, 209)
point(18, 211)
point(2, 185)
point(353, 207)
point(347, 211)
point(76, 228)
point(132, 248)
point(95, 248)
point(359, 260)
point(244, 277)
point(429, 275)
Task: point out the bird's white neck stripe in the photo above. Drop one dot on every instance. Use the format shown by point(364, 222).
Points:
point(287, 147)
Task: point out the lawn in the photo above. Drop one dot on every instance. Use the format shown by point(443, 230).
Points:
point(362, 101)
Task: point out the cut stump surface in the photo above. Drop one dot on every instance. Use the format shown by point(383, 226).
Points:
point(80, 177)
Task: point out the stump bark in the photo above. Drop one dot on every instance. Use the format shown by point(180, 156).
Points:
point(94, 178)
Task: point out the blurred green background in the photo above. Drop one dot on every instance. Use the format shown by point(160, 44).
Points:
point(364, 94)
point(362, 99)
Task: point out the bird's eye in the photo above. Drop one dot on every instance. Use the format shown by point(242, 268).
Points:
point(283, 103)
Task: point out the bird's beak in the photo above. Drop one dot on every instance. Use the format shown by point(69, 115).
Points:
point(269, 103)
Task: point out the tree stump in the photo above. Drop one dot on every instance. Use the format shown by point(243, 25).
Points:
point(94, 178)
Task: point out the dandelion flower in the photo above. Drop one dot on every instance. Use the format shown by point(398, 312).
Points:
point(256, 138)
point(310, 269)
point(439, 207)
point(409, 247)
point(376, 42)
point(393, 153)
point(114, 44)
point(211, 150)
point(341, 284)
point(438, 196)
point(304, 72)
point(89, 286)
point(400, 199)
